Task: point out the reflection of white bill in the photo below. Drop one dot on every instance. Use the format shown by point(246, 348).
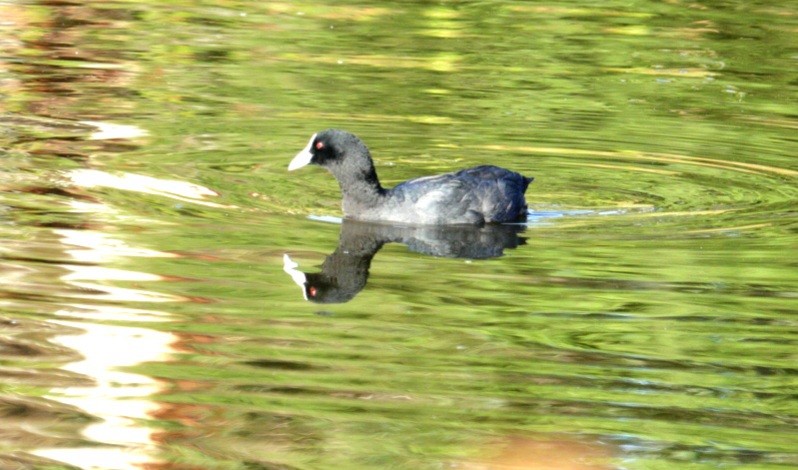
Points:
point(290, 267)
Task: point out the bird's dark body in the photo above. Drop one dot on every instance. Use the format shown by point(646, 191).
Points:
point(483, 194)
point(475, 196)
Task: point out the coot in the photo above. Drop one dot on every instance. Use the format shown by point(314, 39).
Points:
point(479, 195)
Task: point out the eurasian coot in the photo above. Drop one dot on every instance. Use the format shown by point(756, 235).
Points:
point(479, 195)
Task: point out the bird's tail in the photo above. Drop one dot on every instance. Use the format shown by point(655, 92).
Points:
point(527, 181)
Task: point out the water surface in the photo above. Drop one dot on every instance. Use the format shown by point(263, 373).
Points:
point(644, 318)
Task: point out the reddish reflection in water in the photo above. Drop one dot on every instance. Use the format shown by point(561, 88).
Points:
point(542, 453)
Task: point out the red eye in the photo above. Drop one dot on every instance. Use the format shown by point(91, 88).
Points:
point(319, 145)
point(312, 291)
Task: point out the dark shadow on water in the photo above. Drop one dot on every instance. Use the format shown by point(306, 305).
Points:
point(345, 272)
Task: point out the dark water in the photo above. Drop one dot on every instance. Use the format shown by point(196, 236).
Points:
point(644, 318)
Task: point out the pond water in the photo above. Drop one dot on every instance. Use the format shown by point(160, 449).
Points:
point(151, 237)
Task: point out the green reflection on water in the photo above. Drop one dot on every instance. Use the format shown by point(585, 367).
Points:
point(660, 322)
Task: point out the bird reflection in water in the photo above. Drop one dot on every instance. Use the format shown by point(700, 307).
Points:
point(344, 272)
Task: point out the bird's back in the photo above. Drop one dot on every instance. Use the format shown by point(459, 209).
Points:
point(483, 194)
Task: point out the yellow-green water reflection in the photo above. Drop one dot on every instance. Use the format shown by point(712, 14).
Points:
point(646, 321)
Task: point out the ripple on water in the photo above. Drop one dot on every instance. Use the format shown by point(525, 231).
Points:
point(723, 195)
